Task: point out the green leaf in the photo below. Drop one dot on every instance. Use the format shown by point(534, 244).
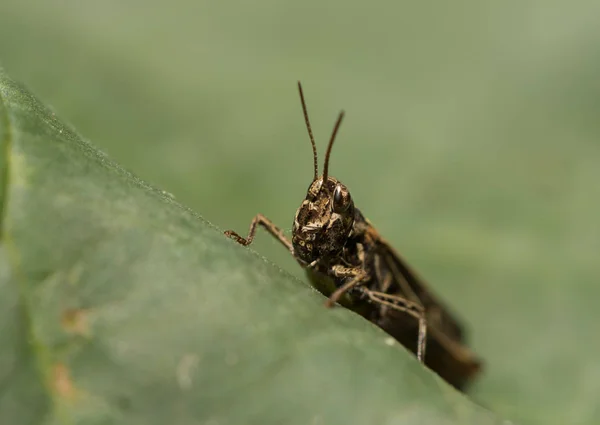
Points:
point(119, 305)
point(470, 140)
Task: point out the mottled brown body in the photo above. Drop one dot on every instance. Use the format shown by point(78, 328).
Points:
point(349, 262)
point(388, 273)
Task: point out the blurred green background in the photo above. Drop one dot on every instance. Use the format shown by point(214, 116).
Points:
point(472, 141)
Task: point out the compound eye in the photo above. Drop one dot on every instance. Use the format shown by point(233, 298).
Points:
point(341, 199)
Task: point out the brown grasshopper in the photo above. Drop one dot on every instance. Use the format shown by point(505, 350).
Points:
point(348, 261)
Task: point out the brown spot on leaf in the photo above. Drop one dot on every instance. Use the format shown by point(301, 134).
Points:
point(74, 320)
point(62, 383)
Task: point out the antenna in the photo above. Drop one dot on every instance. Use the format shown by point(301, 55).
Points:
point(310, 134)
point(328, 154)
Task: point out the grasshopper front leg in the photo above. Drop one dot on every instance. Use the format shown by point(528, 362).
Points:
point(358, 275)
point(261, 220)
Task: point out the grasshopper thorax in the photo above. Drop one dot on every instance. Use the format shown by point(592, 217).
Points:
point(324, 220)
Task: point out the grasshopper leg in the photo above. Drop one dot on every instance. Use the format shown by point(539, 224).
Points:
point(414, 309)
point(261, 220)
point(358, 276)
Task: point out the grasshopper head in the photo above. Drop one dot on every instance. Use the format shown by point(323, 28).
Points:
point(324, 220)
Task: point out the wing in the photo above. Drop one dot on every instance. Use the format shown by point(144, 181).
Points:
point(407, 283)
point(446, 353)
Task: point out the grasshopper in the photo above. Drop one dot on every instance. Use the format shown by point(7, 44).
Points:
point(350, 263)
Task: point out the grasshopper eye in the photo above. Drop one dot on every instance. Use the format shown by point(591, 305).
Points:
point(341, 199)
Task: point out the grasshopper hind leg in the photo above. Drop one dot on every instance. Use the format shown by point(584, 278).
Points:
point(401, 304)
